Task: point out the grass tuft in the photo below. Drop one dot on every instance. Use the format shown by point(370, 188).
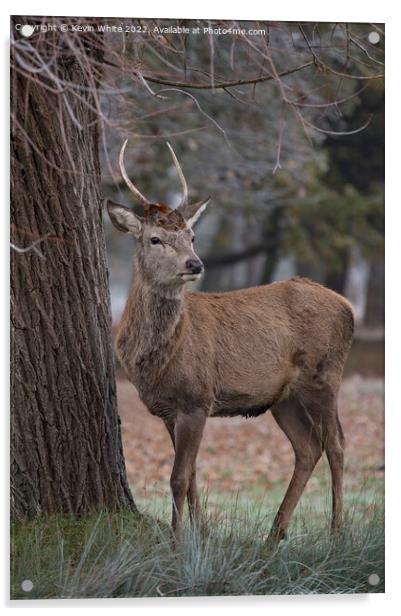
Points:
point(124, 555)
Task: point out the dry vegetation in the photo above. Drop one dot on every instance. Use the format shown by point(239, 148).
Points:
point(238, 453)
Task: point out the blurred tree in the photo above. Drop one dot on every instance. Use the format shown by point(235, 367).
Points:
point(258, 148)
point(359, 162)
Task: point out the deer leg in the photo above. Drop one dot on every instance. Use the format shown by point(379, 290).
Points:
point(192, 494)
point(193, 501)
point(188, 432)
point(308, 448)
point(334, 447)
point(322, 406)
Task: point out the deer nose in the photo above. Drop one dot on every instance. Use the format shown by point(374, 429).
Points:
point(195, 266)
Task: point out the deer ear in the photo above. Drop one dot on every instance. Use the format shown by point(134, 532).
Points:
point(193, 212)
point(124, 219)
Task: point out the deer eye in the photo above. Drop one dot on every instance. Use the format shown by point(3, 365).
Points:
point(155, 240)
point(193, 239)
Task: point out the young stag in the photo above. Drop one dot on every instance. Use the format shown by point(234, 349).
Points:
point(197, 355)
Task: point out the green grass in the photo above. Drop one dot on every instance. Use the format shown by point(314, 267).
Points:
point(126, 555)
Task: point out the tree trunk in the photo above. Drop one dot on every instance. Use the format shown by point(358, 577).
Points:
point(273, 238)
point(374, 312)
point(336, 278)
point(66, 450)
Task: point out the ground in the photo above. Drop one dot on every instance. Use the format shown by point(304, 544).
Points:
point(244, 466)
point(252, 455)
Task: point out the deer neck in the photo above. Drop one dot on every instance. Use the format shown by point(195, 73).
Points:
point(151, 325)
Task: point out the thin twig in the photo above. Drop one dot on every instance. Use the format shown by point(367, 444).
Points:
point(224, 84)
point(211, 46)
point(331, 103)
point(32, 246)
point(340, 133)
point(216, 124)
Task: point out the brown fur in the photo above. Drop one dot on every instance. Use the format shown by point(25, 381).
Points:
point(197, 355)
point(161, 215)
point(249, 346)
point(226, 353)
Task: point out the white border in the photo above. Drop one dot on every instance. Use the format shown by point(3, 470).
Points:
point(307, 10)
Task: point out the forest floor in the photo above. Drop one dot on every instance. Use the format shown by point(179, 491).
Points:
point(252, 456)
point(244, 466)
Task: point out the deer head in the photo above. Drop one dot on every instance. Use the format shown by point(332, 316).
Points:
point(165, 251)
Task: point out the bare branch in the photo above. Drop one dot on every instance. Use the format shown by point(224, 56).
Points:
point(319, 62)
point(225, 84)
point(216, 124)
point(338, 133)
point(32, 246)
point(330, 103)
point(356, 42)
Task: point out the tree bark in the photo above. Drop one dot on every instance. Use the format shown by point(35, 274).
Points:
point(66, 450)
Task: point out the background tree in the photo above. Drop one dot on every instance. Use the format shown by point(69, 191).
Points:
point(254, 121)
point(360, 166)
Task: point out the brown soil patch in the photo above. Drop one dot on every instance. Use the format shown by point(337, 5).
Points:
point(238, 453)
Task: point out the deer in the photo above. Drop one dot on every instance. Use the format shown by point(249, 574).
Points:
point(193, 355)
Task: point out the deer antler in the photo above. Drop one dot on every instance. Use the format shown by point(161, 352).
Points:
point(184, 200)
point(128, 182)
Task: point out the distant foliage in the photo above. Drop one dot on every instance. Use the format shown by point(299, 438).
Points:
point(268, 126)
